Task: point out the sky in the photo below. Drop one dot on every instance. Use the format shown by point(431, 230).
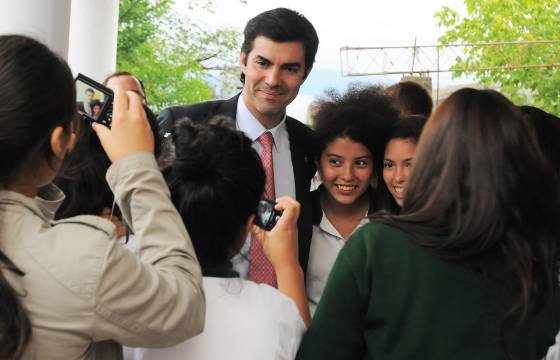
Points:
point(342, 23)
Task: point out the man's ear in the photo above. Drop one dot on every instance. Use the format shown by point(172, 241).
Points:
point(306, 73)
point(61, 141)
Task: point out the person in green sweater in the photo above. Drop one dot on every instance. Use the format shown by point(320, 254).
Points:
point(469, 268)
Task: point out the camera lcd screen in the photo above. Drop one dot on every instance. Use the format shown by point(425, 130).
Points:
point(267, 216)
point(93, 100)
point(265, 211)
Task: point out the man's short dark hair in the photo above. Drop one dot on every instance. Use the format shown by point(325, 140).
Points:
point(411, 98)
point(282, 25)
point(90, 90)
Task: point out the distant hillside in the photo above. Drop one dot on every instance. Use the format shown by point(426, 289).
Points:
point(321, 79)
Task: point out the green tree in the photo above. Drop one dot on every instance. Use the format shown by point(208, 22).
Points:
point(174, 56)
point(509, 20)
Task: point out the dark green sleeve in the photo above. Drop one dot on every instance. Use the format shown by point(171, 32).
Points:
point(337, 329)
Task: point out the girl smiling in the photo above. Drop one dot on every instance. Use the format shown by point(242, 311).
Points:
point(398, 160)
point(350, 130)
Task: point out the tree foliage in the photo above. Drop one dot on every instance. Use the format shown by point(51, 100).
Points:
point(510, 20)
point(176, 57)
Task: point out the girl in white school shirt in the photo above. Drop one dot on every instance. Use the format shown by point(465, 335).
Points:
point(216, 180)
point(350, 130)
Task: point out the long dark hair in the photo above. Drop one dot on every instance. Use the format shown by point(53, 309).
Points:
point(547, 127)
point(82, 175)
point(481, 193)
point(37, 92)
point(216, 181)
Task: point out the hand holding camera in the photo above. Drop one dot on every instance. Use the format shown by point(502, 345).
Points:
point(267, 216)
point(130, 131)
point(280, 244)
point(94, 100)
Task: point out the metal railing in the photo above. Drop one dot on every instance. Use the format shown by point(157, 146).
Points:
point(426, 59)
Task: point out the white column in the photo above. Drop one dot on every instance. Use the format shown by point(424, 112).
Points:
point(46, 20)
point(93, 37)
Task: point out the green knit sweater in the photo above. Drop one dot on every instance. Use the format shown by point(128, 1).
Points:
point(388, 298)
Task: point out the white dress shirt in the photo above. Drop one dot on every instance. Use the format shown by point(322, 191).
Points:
point(244, 320)
point(326, 243)
point(284, 180)
point(554, 350)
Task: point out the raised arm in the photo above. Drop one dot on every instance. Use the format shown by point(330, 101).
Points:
point(156, 300)
point(281, 248)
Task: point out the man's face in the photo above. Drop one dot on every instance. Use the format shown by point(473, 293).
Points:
point(274, 71)
point(89, 95)
point(128, 83)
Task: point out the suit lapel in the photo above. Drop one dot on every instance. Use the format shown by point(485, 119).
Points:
point(229, 107)
point(301, 148)
point(298, 158)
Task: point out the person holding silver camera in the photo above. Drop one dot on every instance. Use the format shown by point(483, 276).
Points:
point(217, 181)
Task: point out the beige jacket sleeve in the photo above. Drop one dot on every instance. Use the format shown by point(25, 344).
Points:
point(156, 300)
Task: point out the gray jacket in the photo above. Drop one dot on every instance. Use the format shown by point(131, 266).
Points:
point(82, 288)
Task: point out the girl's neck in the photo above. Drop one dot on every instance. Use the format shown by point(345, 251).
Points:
point(24, 188)
point(33, 175)
point(345, 217)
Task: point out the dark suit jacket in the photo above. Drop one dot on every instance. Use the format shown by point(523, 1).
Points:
point(81, 106)
point(302, 146)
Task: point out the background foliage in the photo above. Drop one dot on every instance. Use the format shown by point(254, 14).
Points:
point(179, 60)
point(510, 20)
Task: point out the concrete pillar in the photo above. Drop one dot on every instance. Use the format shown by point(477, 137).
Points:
point(46, 20)
point(93, 37)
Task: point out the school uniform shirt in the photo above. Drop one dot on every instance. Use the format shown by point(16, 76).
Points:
point(389, 298)
point(326, 243)
point(554, 350)
point(244, 320)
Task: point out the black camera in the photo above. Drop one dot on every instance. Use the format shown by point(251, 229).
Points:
point(267, 216)
point(94, 100)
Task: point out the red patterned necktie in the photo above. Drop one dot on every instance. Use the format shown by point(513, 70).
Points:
point(260, 268)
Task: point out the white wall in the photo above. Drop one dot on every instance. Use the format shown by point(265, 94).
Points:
point(93, 37)
point(45, 20)
point(82, 31)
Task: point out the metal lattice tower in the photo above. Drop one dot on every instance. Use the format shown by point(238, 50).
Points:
point(428, 59)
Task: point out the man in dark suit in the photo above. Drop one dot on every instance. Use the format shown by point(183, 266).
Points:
point(276, 56)
point(86, 106)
